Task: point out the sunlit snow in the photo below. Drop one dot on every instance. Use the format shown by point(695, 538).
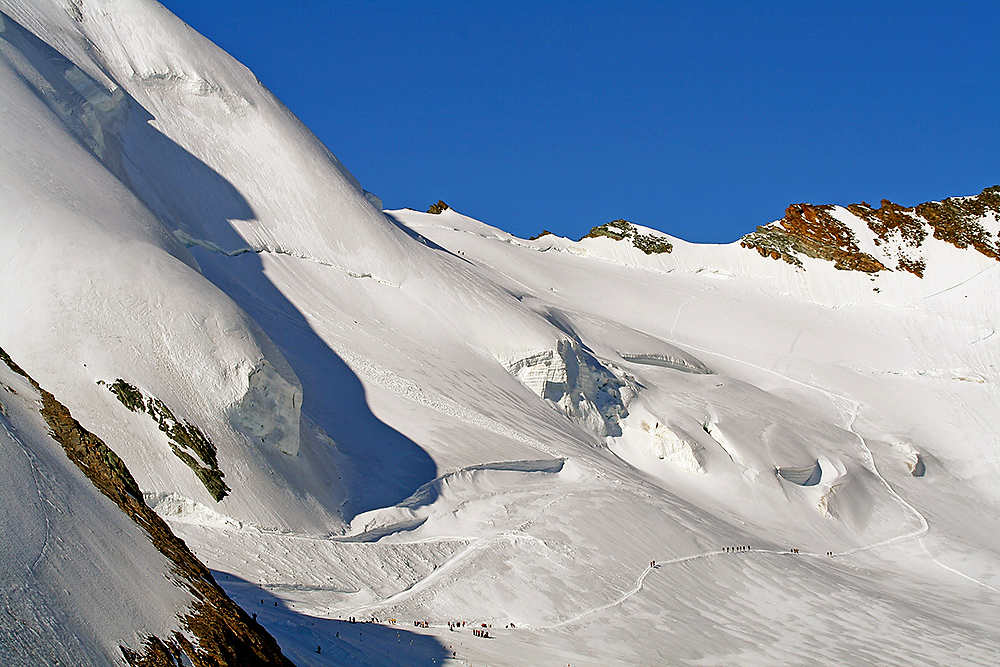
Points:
point(423, 418)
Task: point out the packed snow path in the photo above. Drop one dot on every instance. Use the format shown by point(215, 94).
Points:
point(867, 455)
point(869, 460)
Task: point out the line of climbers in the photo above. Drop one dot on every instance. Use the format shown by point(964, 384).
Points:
point(483, 631)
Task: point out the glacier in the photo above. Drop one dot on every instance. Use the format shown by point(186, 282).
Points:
point(608, 456)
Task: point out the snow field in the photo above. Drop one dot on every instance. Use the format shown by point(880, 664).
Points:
point(423, 418)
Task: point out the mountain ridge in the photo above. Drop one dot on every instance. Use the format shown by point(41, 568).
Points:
point(897, 231)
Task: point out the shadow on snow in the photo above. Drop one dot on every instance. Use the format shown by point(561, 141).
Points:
point(187, 194)
point(339, 642)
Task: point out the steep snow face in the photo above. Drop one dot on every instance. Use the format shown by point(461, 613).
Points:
point(133, 137)
point(104, 291)
point(165, 609)
point(205, 146)
point(65, 547)
point(85, 106)
point(136, 145)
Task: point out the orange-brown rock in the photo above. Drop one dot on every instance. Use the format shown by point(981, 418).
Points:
point(955, 220)
point(812, 231)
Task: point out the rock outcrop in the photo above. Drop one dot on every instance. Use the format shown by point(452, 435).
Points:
point(811, 231)
point(898, 233)
point(216, 632)
point(621, 230)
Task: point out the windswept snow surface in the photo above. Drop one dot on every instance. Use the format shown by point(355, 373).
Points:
point(78, 578)
point(421, 417)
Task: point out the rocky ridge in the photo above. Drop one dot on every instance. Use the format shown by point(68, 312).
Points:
point(899, 233)
point(224, 634)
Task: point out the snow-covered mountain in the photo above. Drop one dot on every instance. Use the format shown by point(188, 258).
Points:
point(346, 412)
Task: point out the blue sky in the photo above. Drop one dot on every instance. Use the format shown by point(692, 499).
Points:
point(701, 119)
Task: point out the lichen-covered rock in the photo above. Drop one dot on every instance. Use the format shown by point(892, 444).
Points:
point(895, 225)
point(187, 441)
point(898, 233)
point(956, 220)
point(813, 232)
point(620, 230)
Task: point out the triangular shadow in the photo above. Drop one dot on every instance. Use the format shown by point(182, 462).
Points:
point(339, 642)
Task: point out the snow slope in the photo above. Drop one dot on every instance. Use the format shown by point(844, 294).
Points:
point(421, 417)
point(65, 547)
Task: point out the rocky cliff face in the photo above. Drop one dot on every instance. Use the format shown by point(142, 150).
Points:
point(895, 236)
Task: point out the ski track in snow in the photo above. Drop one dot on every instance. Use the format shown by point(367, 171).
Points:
point(867, 455)
point(453, 562)
point(677, 316)
point(951, 569)
point(408, 389)
point(476, 545)
point(963, 282)
point(403, 387)
point(650, 568)
point(38, 490)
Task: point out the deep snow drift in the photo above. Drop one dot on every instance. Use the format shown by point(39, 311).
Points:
point(420, 417)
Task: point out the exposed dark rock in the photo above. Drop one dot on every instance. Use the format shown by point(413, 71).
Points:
point(226, 636)
point(187, 441)
point(619, 230)
point(892, 219)
point(650, 244)
point(811, 231)
point(439, 207)
point(955, 220)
